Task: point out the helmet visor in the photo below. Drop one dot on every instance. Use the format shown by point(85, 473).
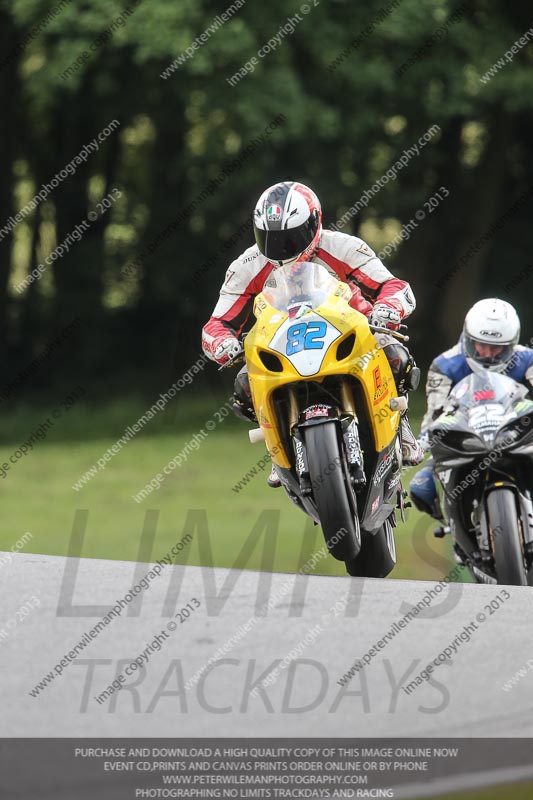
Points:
point(478, 351)
point(289, 243)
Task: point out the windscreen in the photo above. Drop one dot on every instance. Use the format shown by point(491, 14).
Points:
point(303, 283)
point(485, 387)
point(485, 401)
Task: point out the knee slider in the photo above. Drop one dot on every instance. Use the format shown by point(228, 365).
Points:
point(406, 373)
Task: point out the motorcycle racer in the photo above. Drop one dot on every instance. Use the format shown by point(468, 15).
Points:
point(489, 339)
point(287, 224)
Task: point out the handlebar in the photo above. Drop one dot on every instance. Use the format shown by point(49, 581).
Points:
point(231, 361)
point(402, 337)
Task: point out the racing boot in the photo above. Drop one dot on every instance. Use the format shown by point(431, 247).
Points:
point(424, 492)
point(242, 397)
point(412, 453)
point(273, 480)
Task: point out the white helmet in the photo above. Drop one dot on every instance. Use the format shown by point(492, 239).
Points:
point(288, 222)
point(492, 322)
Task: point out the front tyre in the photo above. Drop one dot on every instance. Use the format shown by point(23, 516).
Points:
point(332, 490)
point(377, 557)
point(506, 538)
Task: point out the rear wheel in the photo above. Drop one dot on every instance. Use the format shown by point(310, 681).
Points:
point(377, 557)
point(506, 538)
point(332, 490)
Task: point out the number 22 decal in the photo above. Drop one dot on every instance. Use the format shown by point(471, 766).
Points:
point(305, 336)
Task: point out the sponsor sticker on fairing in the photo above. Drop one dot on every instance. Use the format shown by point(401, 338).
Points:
point(381, 387)
point(259, 304)
point(263, 420)
point(383, 468)
point(317, 410)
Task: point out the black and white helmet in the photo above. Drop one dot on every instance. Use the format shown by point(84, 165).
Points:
point(493, 322)
point(287, 222)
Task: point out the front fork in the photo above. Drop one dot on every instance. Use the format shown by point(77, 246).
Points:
point(479, 520)
point(350, 431)
point(350, 434)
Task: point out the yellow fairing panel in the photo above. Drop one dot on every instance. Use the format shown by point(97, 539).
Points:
point(366, 362)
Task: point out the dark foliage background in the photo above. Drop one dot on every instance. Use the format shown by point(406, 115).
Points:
point(344, 127)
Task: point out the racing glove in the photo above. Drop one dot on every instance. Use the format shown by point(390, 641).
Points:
point(226, 348)
point(385, 317)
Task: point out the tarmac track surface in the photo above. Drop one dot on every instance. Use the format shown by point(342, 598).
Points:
point(314, 630)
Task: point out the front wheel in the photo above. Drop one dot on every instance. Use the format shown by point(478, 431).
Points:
point(506, 538)
point(377, 557)
point(332, 491)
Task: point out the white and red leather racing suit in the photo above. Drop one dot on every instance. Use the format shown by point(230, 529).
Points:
point(346, 257)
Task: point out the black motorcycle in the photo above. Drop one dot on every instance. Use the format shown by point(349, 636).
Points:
point(482, 446)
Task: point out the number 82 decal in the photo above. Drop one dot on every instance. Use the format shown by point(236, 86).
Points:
point(305, 336)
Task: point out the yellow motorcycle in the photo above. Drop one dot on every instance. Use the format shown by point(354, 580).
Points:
point(329, 412)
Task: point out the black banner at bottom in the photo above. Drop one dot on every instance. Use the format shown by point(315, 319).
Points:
point(120, 769)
